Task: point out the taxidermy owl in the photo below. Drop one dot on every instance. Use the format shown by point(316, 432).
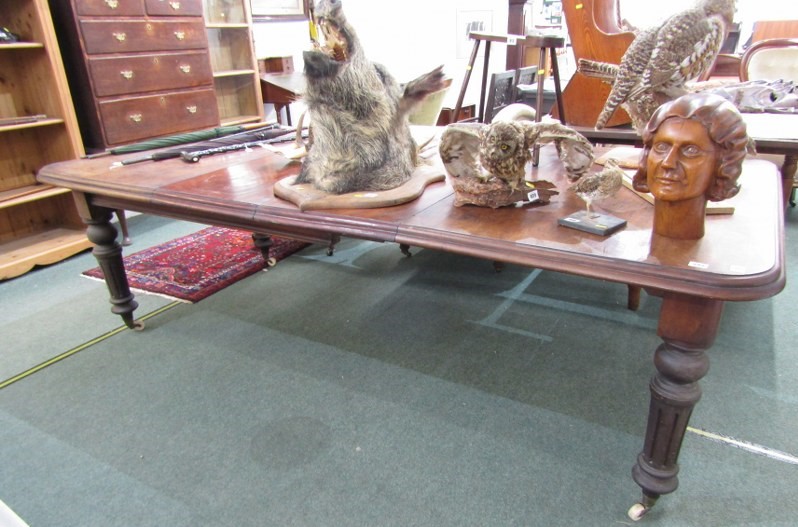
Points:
point(662, 59)
point(504, 152)
point(485, 153)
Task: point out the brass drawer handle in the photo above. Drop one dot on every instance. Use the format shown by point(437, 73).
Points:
point(180, 35)
point(126, 74)
point(113, 4)
point(185, 68)
point(175, 5)
point(192, 108)
point(120, 36)
point(135, 117)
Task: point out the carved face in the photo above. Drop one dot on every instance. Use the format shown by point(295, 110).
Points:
point(683, 160)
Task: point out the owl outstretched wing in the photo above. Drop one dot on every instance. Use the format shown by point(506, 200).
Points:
point(459, 149)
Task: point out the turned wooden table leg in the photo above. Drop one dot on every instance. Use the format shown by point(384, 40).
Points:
point(788, 170)
point(633, 297)
point(108, 253)
point(264, 242)
point(687, 326)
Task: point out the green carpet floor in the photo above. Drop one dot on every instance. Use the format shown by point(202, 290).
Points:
point(370, 389)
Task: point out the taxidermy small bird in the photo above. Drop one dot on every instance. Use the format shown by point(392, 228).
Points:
point(600, 185)
point(662, 59)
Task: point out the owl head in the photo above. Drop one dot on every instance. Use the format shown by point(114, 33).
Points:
point(501, 140)
point(724, 8)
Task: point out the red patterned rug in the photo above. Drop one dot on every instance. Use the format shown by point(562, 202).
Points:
point(200, 264)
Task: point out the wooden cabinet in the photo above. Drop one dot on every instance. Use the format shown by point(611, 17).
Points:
point(138, 68)
point(235, 69)
point(146, 68)
point(39, 223)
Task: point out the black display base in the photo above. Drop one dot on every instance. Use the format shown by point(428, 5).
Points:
point(595, 223)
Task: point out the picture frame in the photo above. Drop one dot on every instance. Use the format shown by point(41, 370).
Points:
point(279, 9)
point(469, 20)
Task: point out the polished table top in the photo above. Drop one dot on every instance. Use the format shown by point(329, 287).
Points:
point(235, 189)
point(739, 258)
point(293, 82)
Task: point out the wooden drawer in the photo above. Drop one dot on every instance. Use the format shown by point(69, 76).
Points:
point(147, 73)
point(133, 119)
point(174, 7)
point(125, 36)
point(109, 7)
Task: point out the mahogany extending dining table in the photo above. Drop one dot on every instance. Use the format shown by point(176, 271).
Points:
point(740, 257)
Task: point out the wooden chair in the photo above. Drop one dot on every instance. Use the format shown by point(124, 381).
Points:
point(500, 94)
point(596, 34)
point(771, 59)
point(524, 77)
point(774, 59)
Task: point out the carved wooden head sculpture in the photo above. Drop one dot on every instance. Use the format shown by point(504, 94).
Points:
point(693, 151)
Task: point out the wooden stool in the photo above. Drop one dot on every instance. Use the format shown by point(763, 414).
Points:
point(545, 43)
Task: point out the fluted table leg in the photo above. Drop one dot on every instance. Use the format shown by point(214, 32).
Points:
point(108, 253)
point(687, 326)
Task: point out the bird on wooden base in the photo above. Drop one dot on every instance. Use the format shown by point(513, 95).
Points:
point(600, 185)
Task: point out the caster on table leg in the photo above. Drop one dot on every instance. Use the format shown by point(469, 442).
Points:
point(641, 508)
point(135, 325)
point(405, 249)
point(264, 243)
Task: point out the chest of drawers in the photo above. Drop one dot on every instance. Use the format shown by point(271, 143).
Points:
point(137, 68)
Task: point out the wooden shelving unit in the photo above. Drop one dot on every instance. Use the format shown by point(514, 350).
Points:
point(39, 224)
point(235, 69)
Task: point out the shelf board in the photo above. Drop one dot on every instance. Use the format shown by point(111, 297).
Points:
point(34, 124)
point(232, 73)
point(22, 45)
point(223, 25)
point(42, 248)
point(29, 194)
point(241, 119)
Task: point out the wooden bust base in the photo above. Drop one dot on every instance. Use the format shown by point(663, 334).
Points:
point(682, 220)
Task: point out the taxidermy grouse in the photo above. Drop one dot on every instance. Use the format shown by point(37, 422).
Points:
point(600, 185)
point(662, 59)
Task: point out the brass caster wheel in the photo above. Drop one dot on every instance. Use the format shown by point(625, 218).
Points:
point(138, 325)
point(271, 262)
point(637, 511)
